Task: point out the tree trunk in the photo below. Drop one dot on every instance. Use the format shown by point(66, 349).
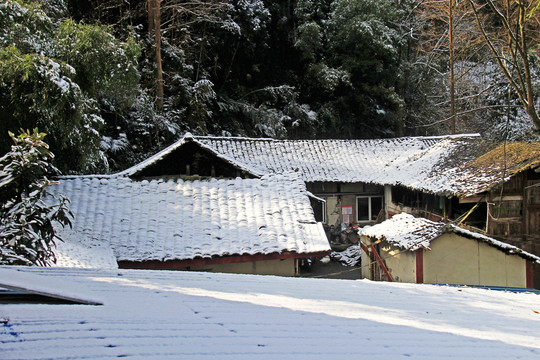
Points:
point(154, 20)
point(451, 54)
point(150, 5)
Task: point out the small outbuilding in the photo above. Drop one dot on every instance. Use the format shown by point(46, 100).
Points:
point(409, 249)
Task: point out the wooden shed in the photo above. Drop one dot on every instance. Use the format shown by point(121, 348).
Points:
point(409, 249)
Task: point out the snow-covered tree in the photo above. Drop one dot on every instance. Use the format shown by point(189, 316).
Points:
point(27, 234)
point(61, 76)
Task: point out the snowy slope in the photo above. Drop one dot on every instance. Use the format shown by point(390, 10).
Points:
point(185, 315)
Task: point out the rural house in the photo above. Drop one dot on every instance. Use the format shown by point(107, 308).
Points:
point(363, 180)
point(354, 177)
point(489, 186)
point(409, 249)
point(256, 226)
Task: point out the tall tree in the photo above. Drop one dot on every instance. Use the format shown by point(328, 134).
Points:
point(446, 34)
point(154, 27)
point(511, 30)
point(178, 19)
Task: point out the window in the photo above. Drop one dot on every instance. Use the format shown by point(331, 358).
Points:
point(368, 207)
point(319, 209)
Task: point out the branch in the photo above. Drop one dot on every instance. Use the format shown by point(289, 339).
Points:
point(496, 54)
point(470, 111)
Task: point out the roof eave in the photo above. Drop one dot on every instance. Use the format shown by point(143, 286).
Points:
point(215, 260)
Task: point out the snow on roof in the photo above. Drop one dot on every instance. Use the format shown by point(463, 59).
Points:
point(461, 165)
point(28, 282)
point(441, 165)
point(314, 160)
point(188, 315)
point(180, 220)
point(498, 165)
point(405, 231)
point(410, 233)
point(320, 160)
point(76, 250)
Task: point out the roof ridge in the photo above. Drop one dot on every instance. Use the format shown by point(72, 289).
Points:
point(246, 138)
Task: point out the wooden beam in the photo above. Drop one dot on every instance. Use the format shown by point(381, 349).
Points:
point(475, 199)
point(420, 266)
point(379, 260)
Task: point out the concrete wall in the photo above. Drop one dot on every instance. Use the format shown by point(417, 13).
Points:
point(454, 259)
point(286, 267)
point(333, 210)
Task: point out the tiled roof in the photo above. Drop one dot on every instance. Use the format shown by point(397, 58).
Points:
point(453, 165)
point(410, 233)
point(179, 220)
point(188, 315)
point(405, 231)
point(409, 161)
point(498, 164)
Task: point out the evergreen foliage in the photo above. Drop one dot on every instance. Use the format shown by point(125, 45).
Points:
point(27, 234)
point(85, 72)
point(62, 77)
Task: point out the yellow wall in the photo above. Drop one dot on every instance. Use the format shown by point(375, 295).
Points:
point(400, 264)
point(286, 267)
point(454, 259)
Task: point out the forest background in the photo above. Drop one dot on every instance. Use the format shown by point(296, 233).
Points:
point(113, 81)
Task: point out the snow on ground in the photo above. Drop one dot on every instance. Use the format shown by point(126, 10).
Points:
point(349, 257)
point(187, 315)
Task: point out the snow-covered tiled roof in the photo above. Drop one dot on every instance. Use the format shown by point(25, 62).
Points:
point(411, 233)
point(450, 165)
point(405, 231)
point(181, 220)
point(76, 250)
point(319, 160)
point(189, 315)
